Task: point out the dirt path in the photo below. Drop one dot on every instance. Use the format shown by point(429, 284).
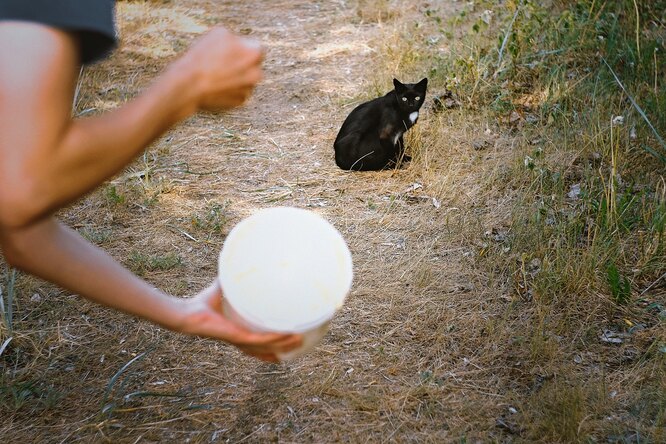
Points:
point(394, 366)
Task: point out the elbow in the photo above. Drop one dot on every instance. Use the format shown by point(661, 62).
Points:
point(20, 204)
point(18, 246)
point(16, 220)
point(11, 246)
point(11, 249)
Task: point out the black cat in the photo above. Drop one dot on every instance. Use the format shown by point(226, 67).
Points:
point(371, 136)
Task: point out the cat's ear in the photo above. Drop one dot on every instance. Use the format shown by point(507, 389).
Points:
point(423, 84)
point(398, 86)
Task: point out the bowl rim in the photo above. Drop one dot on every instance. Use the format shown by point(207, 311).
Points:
point(255, 321)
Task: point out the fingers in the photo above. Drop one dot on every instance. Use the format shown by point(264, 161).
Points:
point(228, 55)
point(290, 343)
point(229, 68)
point(264, 342)
point(227, 100)
point(239, 70)
point(207, 319)
point(268, 341)
point(253, 50)
point(249, 338)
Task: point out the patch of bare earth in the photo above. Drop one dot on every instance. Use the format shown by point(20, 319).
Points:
point(411, 357)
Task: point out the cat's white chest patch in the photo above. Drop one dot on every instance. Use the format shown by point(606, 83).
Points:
point(413, 116)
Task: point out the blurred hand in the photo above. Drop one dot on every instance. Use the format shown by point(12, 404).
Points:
point(203, 317)
point(224, 69)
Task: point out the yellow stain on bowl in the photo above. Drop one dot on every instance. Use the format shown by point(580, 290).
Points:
point(238, 277)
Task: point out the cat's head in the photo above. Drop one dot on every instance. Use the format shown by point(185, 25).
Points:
point(410, 95)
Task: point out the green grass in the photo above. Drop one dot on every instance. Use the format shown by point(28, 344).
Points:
point(32, 396)
point(7, 296)
point(113, 197)
point(95, 235)
point(580, 87)
point(212, 219)
point(562, 412)
point(140, 263)
point(555, 56)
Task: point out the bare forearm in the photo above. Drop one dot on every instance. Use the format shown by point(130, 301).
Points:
point(58, 254)
point(86, 270)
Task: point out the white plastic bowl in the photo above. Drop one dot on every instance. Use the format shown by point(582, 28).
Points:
point(285, 270)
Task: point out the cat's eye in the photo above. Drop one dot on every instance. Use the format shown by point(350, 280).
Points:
point(417, 98)
point(404, 99)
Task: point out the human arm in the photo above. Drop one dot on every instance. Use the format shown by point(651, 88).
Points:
point(48, 160)
point(56, 253)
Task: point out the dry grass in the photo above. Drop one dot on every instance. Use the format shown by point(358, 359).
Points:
point(437, 343)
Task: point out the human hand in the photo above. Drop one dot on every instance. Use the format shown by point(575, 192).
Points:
point(224, 69)
point(203, 317)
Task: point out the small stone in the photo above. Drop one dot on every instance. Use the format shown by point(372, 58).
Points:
point(611, 337)
point(535, 265)
point(574, 191)
point(413, 187)
point(514, 117)
point(487, 16)
point(531, 118)
point(479, 145)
